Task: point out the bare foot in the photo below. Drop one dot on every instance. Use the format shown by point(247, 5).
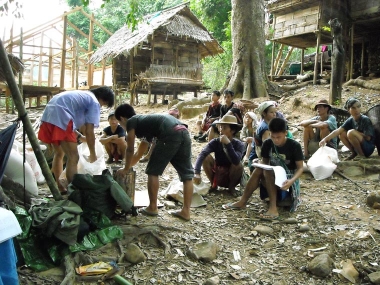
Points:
point(180, 215)
point(351, 157)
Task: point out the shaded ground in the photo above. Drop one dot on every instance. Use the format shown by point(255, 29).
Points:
point(334, 209)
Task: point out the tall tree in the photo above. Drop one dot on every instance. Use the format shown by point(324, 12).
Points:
point(248, 77)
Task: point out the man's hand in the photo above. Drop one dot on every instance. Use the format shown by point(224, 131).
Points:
point(322, 142)
point(92, 158)
point(286, 185)
point(224, 139)
point(122, 172)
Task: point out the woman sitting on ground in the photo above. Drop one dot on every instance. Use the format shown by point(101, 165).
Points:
point(226, 169)
point(250, 123)
point(356, 133)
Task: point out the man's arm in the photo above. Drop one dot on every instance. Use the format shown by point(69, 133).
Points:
point(306, 123)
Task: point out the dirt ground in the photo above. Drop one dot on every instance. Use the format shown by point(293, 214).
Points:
point(333, 212)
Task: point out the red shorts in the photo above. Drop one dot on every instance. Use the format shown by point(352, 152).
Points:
point(50, 133)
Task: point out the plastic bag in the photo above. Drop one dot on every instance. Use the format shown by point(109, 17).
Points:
point(84, 166)
point(31, 159)
point(322, 163)
point(14, 171)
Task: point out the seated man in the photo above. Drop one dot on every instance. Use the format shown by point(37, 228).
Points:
point(211, 115)
point(226, 169)
point(113, 139)
point(277, 150)
point(318, 128)
point(356, 133)
point(228, 108)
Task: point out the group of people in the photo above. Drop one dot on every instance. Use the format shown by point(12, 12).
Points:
point(267, 140)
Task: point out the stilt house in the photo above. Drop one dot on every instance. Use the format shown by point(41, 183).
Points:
point(304, 23)
point(162, 56)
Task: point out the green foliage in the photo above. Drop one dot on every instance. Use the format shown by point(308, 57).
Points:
point(215, 15)
point(216, 69)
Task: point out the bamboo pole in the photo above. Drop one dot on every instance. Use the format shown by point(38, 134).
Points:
point(90, 75)
point(302, 56)
point(63, 58)
point(316, 58)
point(27, 124)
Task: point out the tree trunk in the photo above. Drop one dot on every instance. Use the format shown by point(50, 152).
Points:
point(247, 77)
point(337, 62)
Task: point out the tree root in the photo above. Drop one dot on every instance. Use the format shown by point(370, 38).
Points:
point(69, 270)
point(362, 83)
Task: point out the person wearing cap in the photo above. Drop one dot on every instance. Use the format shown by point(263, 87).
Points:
point(357, 132)
point(278, 150)
point(230, 108)
point(226, 169)
point(113, 139)
point(211, 115)
point(173, 145)
point(317, 128)
point(267, 111)
point(66, 112)
point(246, 135)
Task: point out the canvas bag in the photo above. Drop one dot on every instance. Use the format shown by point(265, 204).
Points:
point(323, 162)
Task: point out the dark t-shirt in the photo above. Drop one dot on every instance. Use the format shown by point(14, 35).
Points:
point(119, 131)
point(235, 111)
point(161, 126)
point(235, 150)
point(213, 111)
point(290, 152)
point(363, 125)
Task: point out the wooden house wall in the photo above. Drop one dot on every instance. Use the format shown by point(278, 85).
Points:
point(172, 52)
point(309, 17)
point(299, 22)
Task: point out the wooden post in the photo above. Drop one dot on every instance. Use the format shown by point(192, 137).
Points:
point(26, 123)
point(316, 58)
point(302, 57)
point(90, 75)
point(155, 99)
point(272, 60)
point(39, 80)
point(149, 94)
point(76, 60)
point(281, 70)
point(362, 59)
point(51, 70)
point(279, 55)
point(351, 66)
point(103, 71)
point(20, 73)
point(63, 56)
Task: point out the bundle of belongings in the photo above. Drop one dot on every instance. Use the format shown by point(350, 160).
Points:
point(80, 223)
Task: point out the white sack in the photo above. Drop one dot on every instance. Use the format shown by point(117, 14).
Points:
point(13, 170)
point(322, 163)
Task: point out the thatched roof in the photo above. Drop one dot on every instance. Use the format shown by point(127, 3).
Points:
point(16, 64)
point(178, 21)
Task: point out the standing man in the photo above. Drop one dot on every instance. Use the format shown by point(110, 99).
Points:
point(318, 128)
point(173, 145)
point(66, 112)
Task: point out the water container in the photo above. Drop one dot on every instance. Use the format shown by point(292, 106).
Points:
point(8, 269)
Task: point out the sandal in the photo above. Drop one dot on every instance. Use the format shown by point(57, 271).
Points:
point(230, 206)
point(351, 157)
point(268, 217)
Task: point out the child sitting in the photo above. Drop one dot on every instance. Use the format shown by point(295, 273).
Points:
point(277, 150)
point(113, 139)
point(211, 115)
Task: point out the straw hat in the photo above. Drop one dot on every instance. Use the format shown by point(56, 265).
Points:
point(263, 106)
point(228, 119)
point(323, 102)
